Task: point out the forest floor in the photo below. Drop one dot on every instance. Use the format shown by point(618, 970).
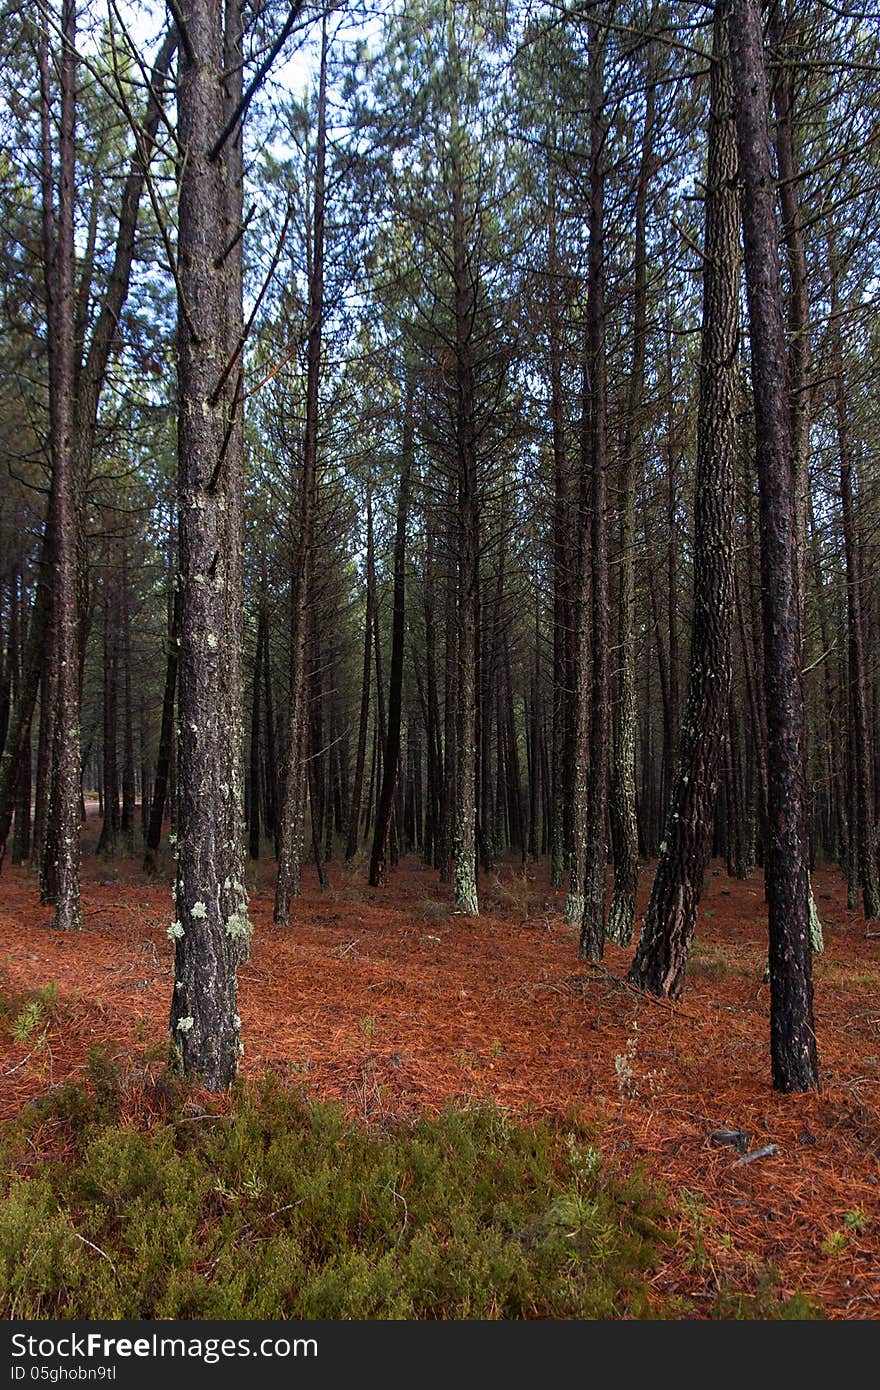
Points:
point(385, 1001)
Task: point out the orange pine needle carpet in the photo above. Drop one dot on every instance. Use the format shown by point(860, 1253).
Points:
point(385, 1001)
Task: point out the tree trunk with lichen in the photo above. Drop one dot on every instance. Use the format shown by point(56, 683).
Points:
point(622, 807)
point(210, 900)
point(60, 868)
point(465, 867)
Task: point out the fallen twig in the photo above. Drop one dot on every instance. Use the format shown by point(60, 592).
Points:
point(768, 1151)
point(668, 1004)
point(36, 1047)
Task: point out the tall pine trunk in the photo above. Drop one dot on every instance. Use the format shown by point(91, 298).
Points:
point(62, 843)
point(292, 816)
point(465, 870)
point(391, 761)
point(354, 815)
point(592, 936)
point(661, 957)
point(793, 1054)
point(211, 904)
point(624, 829)
point(863, 764)
point(166, 740)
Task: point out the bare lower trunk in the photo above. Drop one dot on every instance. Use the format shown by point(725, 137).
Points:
point(354, 817)
point(378, 858)
point(166, 738)
point(792, 1037)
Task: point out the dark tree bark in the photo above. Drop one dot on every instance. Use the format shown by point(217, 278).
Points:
point(17, 747)
point(270, 746)
point(578, 720)
point(126, 823)
point(863, 763)
point(44, 773)
point(592, 936)
point(661, 957)
point(21, 834)
point(799, 355)
point(292, 818)
point(391, 760)
point(21, 838)
point(792, 1038)
point(90, 375)
point(835, 709)
point(166, 740)
point(211, 902)
point(62, 852)
point(433, 740)
point(624, 829)
point(254, 798)
point(145, 769)
point(8, 654)
point(110, 762)
point(562, 621)
point(352, 841)
point(798, 310)
point(465, 291)
point(450, 689)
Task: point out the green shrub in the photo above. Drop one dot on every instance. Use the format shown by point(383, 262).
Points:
point(276, 1207)
point(766, 1303)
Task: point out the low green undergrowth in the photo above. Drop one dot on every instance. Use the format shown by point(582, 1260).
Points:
point(275, 1207)
point(764, 1304)
point(24, 1015)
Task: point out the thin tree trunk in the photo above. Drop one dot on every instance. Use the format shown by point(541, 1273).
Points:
point(354, 817)
point(452, 640)
point(792, 1038)
point(166, 740)
point(661, 957)
point(863, 766)
point(292, 819)
point(110, 782)
point(378, 866)
point(128, 775)
point(255, 766)
point(592, 937)
point(624, 829)
point(60, 261)
point(465, 870)
point(562, 634)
